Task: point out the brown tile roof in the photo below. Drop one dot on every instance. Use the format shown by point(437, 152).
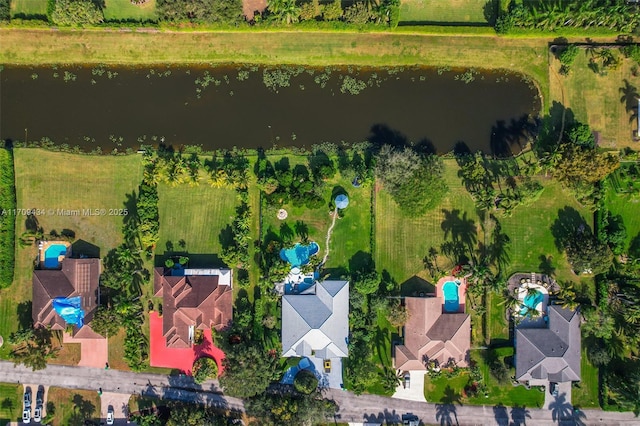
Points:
point(431, 334)
point(193, 300)
point(77, 277)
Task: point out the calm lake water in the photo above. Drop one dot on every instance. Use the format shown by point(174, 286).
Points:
point(222, 107)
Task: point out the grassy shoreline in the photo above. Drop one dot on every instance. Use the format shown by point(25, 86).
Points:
point(46, 46)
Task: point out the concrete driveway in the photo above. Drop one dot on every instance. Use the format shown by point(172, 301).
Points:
point(415, 391)
point(34, 395)
point(564, 395)
point(119, 402)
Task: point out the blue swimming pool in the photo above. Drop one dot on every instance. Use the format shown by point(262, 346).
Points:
point(531, 301)
point(299, 255)
point(51, 255)
point(451, 298)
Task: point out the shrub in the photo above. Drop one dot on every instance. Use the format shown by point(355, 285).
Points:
point(332, 11)
point(305, 382)
point(76, 12)
point(204, 368)
point(7, 218)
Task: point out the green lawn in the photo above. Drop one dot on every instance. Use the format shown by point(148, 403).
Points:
point(402, 242)
point(529, 229)
point(116, 10)
point(73, 406)
point(586, 394)
point(458, 11)
point(195, 215)
point(10, 403)
point(598, 99)
point(444, 390)
point(619, 204)
point(28, 7)
point(351, 233)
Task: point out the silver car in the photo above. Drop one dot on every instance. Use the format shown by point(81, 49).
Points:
point(26, 415)
point(37, 415)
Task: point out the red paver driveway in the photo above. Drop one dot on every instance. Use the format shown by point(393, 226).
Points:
point(180, 359)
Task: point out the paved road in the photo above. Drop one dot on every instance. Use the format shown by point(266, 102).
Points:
point(352, 408)
point(371, 408)
point(181, 388)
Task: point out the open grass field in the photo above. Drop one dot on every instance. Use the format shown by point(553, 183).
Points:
point(73, 407)
point(453, 11)
point(10, 403)
point(600, 101)
point(586, 394)
point(527, 55)
point(194, 215)
point(529, 229)
point(60, 182)
point(402, 242)
point(120, 10)
point(28, 8)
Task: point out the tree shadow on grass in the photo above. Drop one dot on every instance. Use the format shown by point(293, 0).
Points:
point(25, 318)
point(361, 262)
point(567, 225)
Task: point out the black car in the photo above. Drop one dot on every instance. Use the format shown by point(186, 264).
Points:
point(553, 388)
point(27, 398)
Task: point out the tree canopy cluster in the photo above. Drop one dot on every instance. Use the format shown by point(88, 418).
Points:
point(201, 11)
point(414, 181)
point(550, 15)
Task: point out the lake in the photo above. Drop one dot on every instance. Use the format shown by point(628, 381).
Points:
point(250, 106)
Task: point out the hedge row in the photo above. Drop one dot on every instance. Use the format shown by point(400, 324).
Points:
point(7, 217)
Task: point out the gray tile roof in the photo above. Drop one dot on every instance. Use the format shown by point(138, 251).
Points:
point(552, 352)
point(316, 322)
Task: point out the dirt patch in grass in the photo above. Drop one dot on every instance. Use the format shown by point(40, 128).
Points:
point(69, 353)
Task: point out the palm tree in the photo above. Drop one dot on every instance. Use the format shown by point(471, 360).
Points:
point(567, 295)
point(391, 378)
point(284, 10)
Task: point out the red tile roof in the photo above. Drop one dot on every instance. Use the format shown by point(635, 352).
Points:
point(192, 300)
point(77, 277)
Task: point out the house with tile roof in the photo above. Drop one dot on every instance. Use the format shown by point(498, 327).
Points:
point(550, 352)
point(192, 299)
point(74, 278)
point(316, 325)
point(433, 334)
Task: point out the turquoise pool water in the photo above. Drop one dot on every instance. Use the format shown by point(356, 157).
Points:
point(451, 298)
point(299, 255)
point(531, 301)
point(51, 255)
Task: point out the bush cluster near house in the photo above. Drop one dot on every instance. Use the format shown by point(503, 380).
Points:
point(7, 217)
point(203, 369)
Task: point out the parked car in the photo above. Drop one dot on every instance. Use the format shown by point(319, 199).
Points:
point(553, 388)
point(37, 414)
point(40, 396)
point(26, 415)
point(407, 381)
point(410, 419)
point(27, 399)
point(110, 415)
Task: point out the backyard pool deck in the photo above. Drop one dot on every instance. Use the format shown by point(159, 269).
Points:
point(42, 252)
point(462, 289)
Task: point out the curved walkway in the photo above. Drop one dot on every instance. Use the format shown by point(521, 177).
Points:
point(333, 223)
